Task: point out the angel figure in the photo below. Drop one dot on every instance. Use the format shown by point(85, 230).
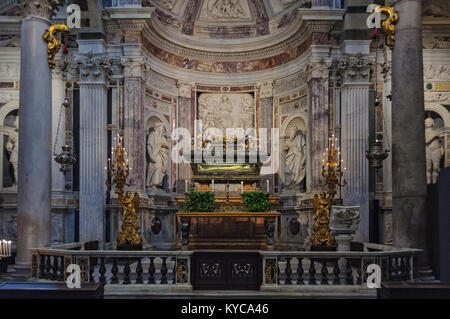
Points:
point(130, 222)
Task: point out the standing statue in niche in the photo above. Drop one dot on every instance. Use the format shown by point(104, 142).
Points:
point(158, 152)
point(12, 146)
point(295, 158)
point(434, 151)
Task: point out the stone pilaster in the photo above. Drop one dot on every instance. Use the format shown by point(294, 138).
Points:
point(355, 71)
point(93, 145)
point(184, 115)
point(408, 132)
point(266, 122)
point(134, 126)
point(318, 72)
point(35, 133)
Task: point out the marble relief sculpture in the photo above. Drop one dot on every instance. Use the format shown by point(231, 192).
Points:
point(158, 152)
point(226, 111)
point(434, 151)
point(295, 153)
point(12, 146)
point(225, 9)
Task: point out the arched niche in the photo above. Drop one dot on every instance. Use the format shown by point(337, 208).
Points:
point(151, 119)
point(8, 114)
point(444, 131)
point(298, 122)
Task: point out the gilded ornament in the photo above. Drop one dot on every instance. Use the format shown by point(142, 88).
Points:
point(53, 43)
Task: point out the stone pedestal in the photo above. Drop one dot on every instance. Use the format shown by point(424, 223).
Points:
point(343, 224)
point(35, 135)
point(408, 132)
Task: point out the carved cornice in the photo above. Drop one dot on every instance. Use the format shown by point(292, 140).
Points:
point(95, 68)
point(41, 8)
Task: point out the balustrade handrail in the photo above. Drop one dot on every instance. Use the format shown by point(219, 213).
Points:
point(338, 254)
point(110, 253)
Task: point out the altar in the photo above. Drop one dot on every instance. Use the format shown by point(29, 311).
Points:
point(228, 230)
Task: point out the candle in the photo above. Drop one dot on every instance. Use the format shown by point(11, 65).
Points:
point(212, 185)
point(268, 185)
point(9, 250)
point(185, 186)
point(242, 186)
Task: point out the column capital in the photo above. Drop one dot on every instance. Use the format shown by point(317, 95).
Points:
point(184, 89)
point(265, 89)
point(318, 68)
point(94, 68)
point(41, 8)
point(354, 68)
point(133, 67)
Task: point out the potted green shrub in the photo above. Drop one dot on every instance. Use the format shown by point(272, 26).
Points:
point(256, 201)
point(199, 202)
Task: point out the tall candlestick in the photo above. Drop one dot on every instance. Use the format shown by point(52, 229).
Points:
point(268, 188)
point(9, 249)
point(212, 185)
point(185, 186)
point(242, 186)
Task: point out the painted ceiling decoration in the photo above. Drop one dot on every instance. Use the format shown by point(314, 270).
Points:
point(226, 19)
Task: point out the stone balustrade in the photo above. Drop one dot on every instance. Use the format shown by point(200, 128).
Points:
point(279, 268)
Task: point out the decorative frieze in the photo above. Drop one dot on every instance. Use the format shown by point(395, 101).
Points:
point(436, 72)
point(437, 97)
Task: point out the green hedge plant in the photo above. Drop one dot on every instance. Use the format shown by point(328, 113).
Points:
point(199, 202)
point(256, 201)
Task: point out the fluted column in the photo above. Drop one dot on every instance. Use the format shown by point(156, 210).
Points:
point(354, 135)
point(35, 133)
point(93, 145)
point(408, 131)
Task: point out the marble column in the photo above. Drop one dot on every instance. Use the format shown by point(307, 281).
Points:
point(355, 71)
point(184, 116)
point(93, 145)
point(35, 134)
point(408, 131)
point(266, 121)
point(134, 126)
point(318, 117)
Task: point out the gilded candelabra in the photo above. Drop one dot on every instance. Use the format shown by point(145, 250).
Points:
point(332, 172)
point(118, 171)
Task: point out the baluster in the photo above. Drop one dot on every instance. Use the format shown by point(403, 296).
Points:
point(126, 271)
point(114, 271)
point(408, 268)
point(349, 272)
point(312, 273)
point(404, 267)
point(163, 271)
point(61, 269)
point(102, 270)
point(300, 271)
point(359, 272)
point(151, 271)
point(393, 275)
point(54, 274)
point(324, 272)
point(288, 271)
point(139, 272)
point(278, 273)
point(42, 267)
point(336, 273)
point(92, 262)
point(48, 267)
point(174, 270)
